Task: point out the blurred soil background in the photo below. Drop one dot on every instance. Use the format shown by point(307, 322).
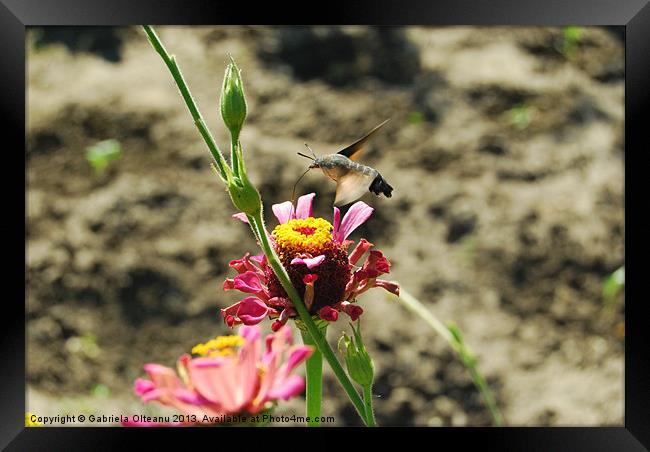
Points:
point(505, 149)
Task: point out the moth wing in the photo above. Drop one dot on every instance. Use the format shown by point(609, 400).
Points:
point(335, 173)
point(355, 149)
point(350, 187)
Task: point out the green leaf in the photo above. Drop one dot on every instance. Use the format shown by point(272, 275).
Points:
point(100, 390)
point(415, 117)
point(521, 116)
point(570, 41)
point(101, 154)
point(573, 34)
point(455, 332)
point(613, 285)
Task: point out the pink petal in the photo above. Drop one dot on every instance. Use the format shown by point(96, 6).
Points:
point(209, 361)
point(275, 345)
point(390, 286)
point(297, 355)
point(247, 263)
point(260, 259)
point(252, 310)
point(226, 385)
point(159, 394)
point(329, 314)
point(268, 341)
point(310, 262)
point(142, 386)
point(359, 251)
point(376, 264)
point(158, 372)
point(290, 387)
point(279, 302)
point(357, 278)
point(230, 310)
point(248, 282)
point(267, 379)
point(383, 265)
point(286, 314)
point(240, 264)
point(353, 310)
point(286, 334)
point(337, 223)
point(304, 208)
point(250, 333)
point(283, 211)
point(186, 396)
point(229, 284)
point(355, 217)
point(241, 216)
point(308, 297)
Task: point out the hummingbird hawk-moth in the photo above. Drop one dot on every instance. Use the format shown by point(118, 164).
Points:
point(352, 179)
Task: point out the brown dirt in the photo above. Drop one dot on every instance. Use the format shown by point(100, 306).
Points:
point(508, 231)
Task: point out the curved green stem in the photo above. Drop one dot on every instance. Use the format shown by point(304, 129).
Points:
point(314, 375)
point(367, 398)
point(170, 61)
point(453, 338)
point(312, 329)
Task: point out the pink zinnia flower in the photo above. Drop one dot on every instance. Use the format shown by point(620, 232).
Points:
point(234, 376)
point(315, 254)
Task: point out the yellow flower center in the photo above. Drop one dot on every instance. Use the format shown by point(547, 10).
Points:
point(219, 346)
point(303, 235)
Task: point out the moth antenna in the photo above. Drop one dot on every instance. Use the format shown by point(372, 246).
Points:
point(311, 150)
point(304, 155)
point(293, 193)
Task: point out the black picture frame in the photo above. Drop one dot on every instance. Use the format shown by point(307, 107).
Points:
point(633, 16)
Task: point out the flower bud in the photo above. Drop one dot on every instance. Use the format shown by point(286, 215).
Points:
point(358, 361)
point(328, 313)
point(244, 195)
point(233, 101)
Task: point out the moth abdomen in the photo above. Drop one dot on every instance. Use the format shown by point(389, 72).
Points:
point(334, 161)
point(379, 185)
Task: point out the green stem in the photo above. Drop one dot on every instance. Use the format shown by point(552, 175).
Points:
point(481, 384)
point(170, 61)
point(234, 155)
point(314, 375)
point(367, 398)
point(253, 225)
point(467, 357)
point(312, 329)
